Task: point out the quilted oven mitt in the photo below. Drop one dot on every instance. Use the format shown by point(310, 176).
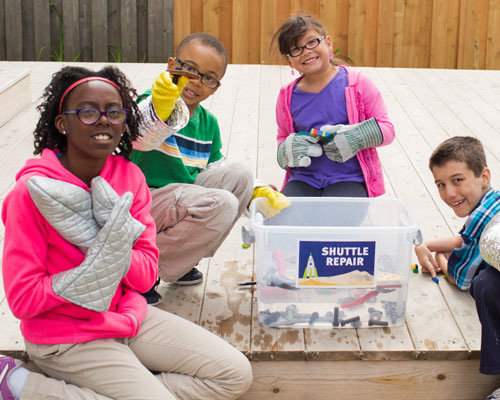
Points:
point(104, 198)
point(93, 283)
point(67, 207)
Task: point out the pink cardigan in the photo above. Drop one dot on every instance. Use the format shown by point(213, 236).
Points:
point(34, 251)
point(363, 101)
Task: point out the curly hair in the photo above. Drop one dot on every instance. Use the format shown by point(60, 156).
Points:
point(46, 134)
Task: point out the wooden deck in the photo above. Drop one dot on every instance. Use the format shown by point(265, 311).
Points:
point(435, 355)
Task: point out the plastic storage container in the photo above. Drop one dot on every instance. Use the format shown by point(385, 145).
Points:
point(333, 262)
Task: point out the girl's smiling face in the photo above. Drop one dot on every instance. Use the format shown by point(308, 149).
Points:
point(459, 188)
point(96, 141)
point(314, 60)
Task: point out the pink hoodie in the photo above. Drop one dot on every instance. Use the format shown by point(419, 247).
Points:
point(363, 101)
point(34, 252)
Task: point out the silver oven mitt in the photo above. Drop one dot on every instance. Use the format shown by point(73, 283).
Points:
point(489, 244)
point(67, 207)
point(93, 283)
point(104, 198)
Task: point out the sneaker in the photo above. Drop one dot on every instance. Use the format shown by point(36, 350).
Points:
point(191, 278)
point(7, 365)
point(152, 296)
point(494, 395)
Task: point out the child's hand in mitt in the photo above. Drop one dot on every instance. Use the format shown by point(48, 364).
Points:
point(165, 94)
point(274, 203)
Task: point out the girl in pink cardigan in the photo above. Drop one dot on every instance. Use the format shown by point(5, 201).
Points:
point(80, 246)
point(343, 104)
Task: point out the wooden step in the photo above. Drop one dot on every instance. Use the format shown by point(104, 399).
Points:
point(15, 91)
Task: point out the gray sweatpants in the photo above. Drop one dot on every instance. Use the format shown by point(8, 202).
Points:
point(192, 363)
point(192, 220)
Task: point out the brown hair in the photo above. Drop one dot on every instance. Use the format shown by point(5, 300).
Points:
point(466, 149)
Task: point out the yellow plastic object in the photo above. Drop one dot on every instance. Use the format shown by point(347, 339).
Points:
point(165, 94)
point(275, 201)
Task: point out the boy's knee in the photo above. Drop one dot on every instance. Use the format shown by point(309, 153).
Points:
point(226, 207)
point(241, 376)
point(241, 171)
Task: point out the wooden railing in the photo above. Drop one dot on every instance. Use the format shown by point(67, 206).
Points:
point(385, 33)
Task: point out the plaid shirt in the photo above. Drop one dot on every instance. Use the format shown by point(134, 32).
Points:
point(465, 262)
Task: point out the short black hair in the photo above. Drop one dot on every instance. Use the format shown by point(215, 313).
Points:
point(206, 40)
point(466, 149)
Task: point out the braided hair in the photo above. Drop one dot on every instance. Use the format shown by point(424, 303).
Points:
point(46, 134)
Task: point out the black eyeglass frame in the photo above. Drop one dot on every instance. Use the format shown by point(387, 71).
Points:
point(202, 76)
point(307, 46)
point(101, 113)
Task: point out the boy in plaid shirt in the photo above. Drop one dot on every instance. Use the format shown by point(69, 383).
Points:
point(463, 181)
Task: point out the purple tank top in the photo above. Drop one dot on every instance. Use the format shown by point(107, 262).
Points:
point(313, 110)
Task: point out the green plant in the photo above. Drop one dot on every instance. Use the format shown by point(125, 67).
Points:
point(115, 51)
point(58, 54)
point(342, 56)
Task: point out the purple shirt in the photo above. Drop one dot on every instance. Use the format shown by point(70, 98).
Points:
point(313, 110)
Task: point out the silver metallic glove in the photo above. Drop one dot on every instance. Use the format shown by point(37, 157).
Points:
point(153, 130)
point(346, 141)
point(104, 198)
point(93, 283)
point(297, 149)
point(489, 244)
point(67, 207)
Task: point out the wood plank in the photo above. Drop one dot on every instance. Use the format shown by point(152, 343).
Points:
point(85, 14)
point(211, 17)
point(142, 31)
point(13, 30)
point(113, 42)
point(182, 18)
point(493, 45)
point(335, 17)
point(385, 34)
point(99, 31)
point(27, 16)
point(128, 31)
point(398, 49)
point(241, 37)
point(416, 33)
point(269, 24)
point(71, 30)
point(444, 37)
point(374, 380)
point(156, 31)
point(473, 33)
point(254, 34)
point(168, 22)
point(3, 55)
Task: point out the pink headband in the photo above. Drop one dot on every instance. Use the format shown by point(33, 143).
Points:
point(90, 78)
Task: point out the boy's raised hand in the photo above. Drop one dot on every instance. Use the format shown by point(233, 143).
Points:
point(165, 94)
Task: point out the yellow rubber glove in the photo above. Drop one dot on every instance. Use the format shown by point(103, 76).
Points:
point(275, 201)
point(165, 94)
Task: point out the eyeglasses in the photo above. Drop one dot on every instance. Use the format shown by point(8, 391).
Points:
point(207, 80)
point(90, 116)
point(310, 44)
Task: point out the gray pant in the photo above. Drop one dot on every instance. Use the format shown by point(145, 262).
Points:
point(192, 363)
point(192, 220)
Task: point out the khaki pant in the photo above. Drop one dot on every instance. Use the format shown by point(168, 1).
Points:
point(193, 364)
point(192, 220)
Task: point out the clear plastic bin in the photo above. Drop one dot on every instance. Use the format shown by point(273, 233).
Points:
point(333, 262)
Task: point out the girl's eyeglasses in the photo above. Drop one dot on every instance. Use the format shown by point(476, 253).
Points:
point(310, 44)
point(90, 116)
point(207, 80)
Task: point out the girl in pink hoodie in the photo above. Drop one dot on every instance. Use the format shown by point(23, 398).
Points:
point(330, 119)
point(79, 248)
